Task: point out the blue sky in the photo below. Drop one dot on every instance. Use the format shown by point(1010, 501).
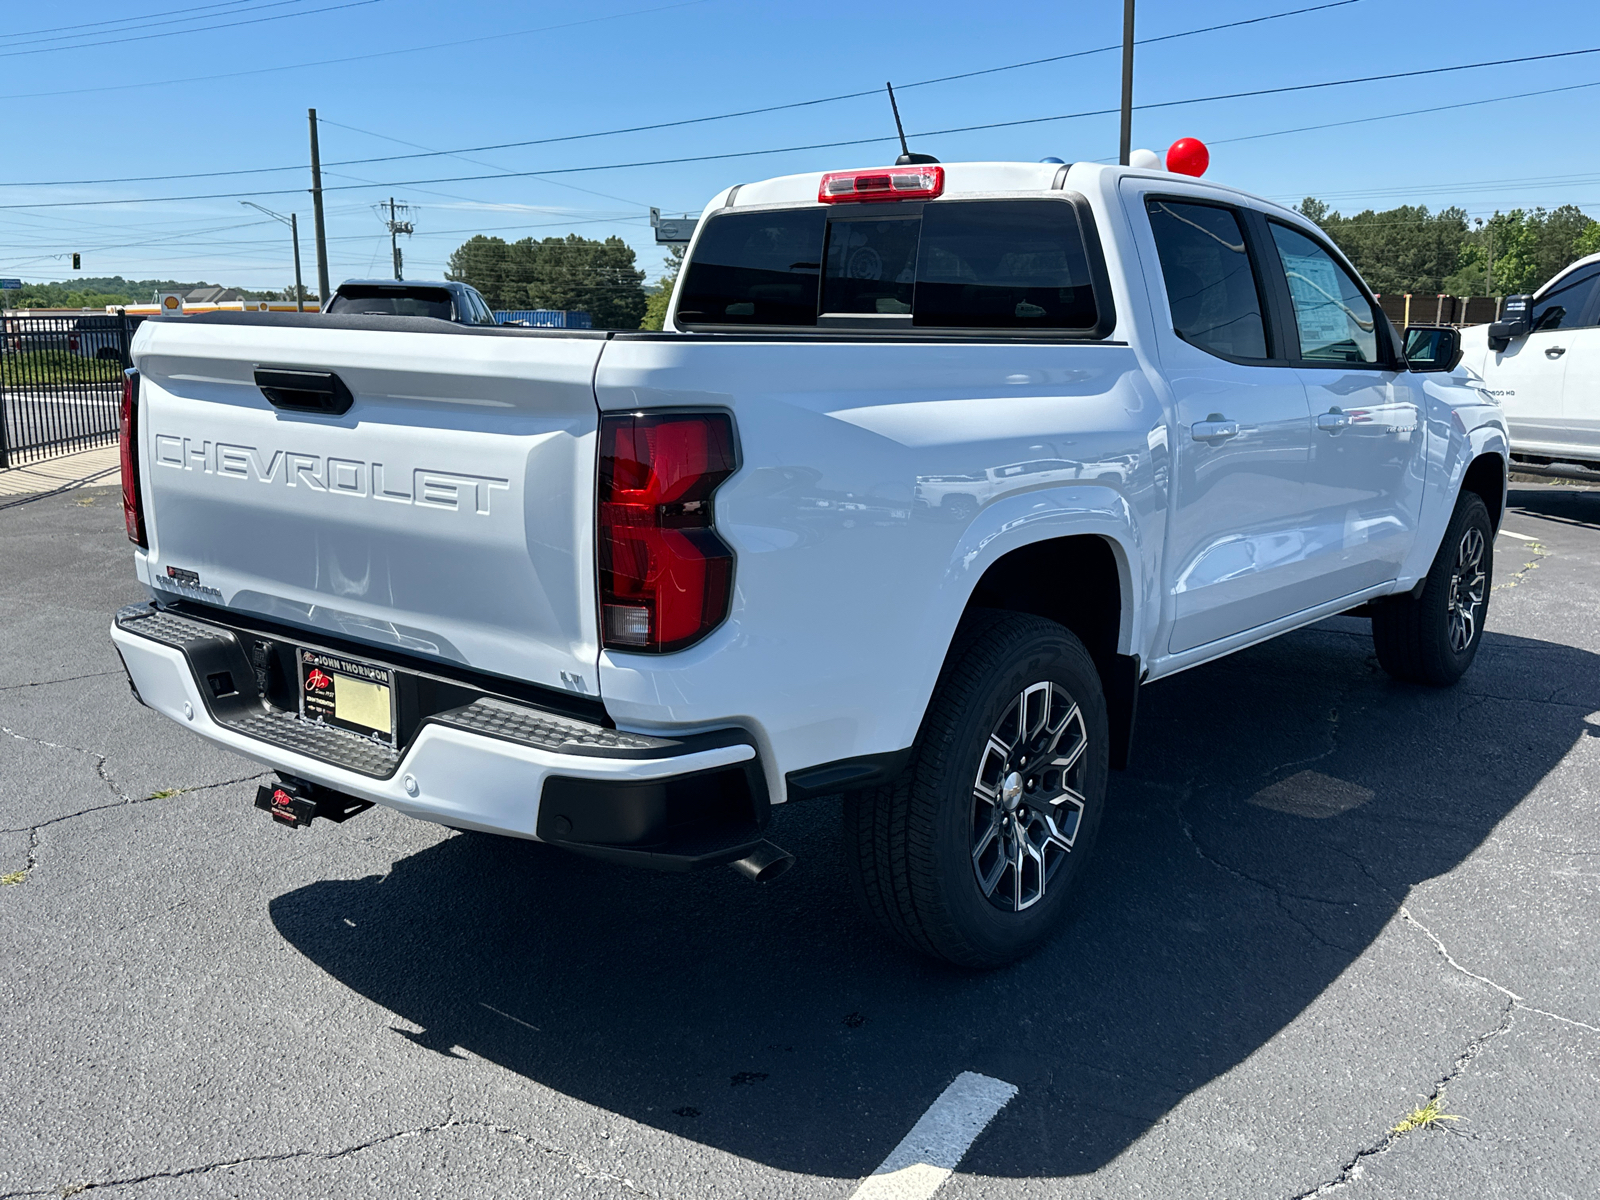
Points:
point(164, 95)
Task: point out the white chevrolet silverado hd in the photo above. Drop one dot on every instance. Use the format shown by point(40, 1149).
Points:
point(932, 469)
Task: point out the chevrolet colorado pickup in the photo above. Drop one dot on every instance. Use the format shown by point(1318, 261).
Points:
point(932, 469)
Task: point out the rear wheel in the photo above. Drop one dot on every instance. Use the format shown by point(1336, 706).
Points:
point(1432, 637)
point(971, 855)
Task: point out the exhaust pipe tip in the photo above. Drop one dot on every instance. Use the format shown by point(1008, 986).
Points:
point(764, 864)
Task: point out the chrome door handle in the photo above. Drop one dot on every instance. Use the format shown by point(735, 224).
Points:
point(1333, 420)
point(1215, 428)
point(1554, 351)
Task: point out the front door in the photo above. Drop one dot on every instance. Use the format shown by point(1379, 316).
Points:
point(1367, 464)
point(1235, 556)
point(1549, 381)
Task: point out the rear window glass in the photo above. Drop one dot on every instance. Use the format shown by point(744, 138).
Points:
point(393, 302)
point(755, 269)
point(961, 264)
point(1003, 264)
point(871, 266)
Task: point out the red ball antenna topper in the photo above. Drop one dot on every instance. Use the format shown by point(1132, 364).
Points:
point(1188, 156)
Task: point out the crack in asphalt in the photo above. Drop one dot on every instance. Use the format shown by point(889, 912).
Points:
point(579, 1166)
point(12, 687)
point(1356, 1164)
point(123, 800)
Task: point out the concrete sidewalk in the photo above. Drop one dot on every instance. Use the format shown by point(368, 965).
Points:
point(102, 467)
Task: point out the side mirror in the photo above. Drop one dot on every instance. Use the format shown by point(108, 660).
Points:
point(1513, 322)
point(1429, 348)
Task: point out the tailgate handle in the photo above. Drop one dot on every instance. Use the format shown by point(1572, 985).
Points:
point(304, 391)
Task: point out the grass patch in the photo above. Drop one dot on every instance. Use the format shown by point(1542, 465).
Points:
point(166, 793)
point(1428, 1116)
point(13, 877)
point(57, 366)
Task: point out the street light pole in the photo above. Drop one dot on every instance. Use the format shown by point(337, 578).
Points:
point(294, 233)
point(1127, 81)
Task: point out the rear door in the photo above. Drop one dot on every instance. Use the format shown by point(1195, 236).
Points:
point(447, 513)
point(1236, 551)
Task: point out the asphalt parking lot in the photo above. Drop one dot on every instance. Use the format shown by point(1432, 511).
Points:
point(1320, 898)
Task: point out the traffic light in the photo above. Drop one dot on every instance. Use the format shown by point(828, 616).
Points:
point(77, 261)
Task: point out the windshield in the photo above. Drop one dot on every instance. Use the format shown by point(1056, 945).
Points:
point(393, 301)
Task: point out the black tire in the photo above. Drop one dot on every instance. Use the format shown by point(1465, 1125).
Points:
point(1432, 637)
point(910, 845)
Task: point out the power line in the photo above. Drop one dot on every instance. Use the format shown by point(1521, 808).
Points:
point(771, 108)
point(145, 37)
point(132, 26)
point(426, 152)
point(82, 25)
point(658, 162)
point(328, 62)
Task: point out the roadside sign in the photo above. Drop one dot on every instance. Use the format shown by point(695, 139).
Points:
point(171, 303)
point(672, 231)
point(11, 285)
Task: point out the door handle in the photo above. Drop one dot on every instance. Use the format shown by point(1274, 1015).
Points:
point(1554, 351)
point(1215, 428)
point(1333, 420)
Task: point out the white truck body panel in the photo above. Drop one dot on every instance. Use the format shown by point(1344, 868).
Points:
point(451, 513)
point(447, 514)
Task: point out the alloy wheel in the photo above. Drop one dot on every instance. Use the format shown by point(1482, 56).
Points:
point(1027, 796)
point(1468, 588)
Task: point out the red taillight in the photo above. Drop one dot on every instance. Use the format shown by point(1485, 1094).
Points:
point(132, 512)
point(882, 183)
point(665, 576)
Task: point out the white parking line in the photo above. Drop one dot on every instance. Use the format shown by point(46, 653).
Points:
point(925, 1157)
point(1521, 537)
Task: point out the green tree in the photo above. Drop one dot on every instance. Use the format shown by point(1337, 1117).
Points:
point(1404, 249)
point(655, 313)
point(572, 273)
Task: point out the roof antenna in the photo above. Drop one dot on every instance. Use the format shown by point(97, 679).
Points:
point(906, 158)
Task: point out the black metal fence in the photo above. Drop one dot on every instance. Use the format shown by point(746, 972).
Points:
point(61, 382)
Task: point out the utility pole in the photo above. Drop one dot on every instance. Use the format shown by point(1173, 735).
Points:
point(294, 233)
point(1127, 81)
point(299, 288)
point(316, 210)
point(396, 226)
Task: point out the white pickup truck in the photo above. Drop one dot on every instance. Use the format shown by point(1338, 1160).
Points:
point(1541, 363)
point(628, 593)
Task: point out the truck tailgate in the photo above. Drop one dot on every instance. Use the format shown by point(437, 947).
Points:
point(448, 512)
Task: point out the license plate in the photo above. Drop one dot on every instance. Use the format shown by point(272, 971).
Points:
point(347, 693)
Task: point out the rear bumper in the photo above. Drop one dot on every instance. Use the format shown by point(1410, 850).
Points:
point(493, 764)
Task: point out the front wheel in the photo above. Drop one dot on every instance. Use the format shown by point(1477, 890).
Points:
point(971, 855)
point(1432, 637)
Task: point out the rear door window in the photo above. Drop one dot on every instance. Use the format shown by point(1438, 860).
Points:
point(1211, 287)
point(758, 268)
point(1003, 264)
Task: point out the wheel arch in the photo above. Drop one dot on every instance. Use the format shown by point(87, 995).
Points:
point(1084, 582)
point(1486, 475)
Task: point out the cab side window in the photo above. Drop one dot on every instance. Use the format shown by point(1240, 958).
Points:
point(1565, 307)
point(1211, 286)
point(1335, 321)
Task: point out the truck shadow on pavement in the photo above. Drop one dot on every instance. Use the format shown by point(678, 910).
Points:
point(1281, 804)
